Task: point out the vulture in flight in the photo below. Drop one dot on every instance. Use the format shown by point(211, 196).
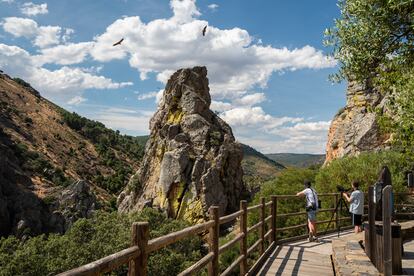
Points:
point(118, 43)
point(204, 30)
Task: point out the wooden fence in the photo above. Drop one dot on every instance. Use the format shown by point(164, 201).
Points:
point(137, 255)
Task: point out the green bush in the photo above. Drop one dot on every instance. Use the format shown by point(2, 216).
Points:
point(91, 239)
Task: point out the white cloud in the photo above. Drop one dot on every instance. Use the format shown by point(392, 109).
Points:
point(251, 99)
point(147, 96)
point(235, 63)
point(220, 106)
point(31, 9)
point(42, 36)
point(65, 81)
point(76, 100)
point(66, 54)
point(123, 119)
point(213, 6)
point(7, 1)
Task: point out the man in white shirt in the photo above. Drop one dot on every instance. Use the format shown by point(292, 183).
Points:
point(356, 208)
point(311, 208)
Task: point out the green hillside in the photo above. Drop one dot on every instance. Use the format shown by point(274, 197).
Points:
point(299, 160)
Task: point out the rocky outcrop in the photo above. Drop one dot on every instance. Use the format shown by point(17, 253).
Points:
point(355, 128)
point(23, 213)
point(191, 158)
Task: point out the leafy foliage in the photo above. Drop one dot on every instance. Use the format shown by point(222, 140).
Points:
point(374, 43)
point(91, 239)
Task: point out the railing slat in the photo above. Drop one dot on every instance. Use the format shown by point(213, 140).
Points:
point(253, 247)
point(291, 227)
point(224, 247)
point(254, 227)
point(233, 266)
point(198, 265)
point(105, 264)
point(231, 217)
point(254, 207)
point(168, 239)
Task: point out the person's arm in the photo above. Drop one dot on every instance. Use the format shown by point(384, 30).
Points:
point(300, 194)
point(347, 197)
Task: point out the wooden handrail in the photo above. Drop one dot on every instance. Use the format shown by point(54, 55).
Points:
point(141, 247)
point(105, 264)
point(171, 238)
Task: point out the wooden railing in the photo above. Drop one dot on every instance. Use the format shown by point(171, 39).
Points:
point(137, 255)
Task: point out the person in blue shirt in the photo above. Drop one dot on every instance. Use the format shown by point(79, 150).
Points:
point(356, 207)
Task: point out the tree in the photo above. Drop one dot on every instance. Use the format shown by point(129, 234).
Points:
point(373, 41)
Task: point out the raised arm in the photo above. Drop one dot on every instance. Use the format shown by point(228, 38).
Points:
point(300, 194)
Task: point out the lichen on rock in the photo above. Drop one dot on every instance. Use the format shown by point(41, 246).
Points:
point(192, 160)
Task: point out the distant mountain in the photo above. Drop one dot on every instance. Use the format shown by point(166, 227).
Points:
point(300, 160)
point(258, 168)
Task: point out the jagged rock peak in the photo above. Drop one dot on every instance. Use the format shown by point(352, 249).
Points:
point(191, 160)
point(355, 128)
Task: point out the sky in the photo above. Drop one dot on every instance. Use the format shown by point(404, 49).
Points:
point(267, 66)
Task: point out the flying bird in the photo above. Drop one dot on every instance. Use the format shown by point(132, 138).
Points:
point(204, 30)
point(118, 43)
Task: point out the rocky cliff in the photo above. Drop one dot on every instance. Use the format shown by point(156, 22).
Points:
point(191, 159)
point(355, 128)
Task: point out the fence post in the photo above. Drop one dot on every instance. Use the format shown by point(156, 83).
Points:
point(336, 213)
point(243, 241)
point(274, 216)
point(386, 216)
point(140, 236)
point(371, 221)
point(262, 228)
point(213, 266)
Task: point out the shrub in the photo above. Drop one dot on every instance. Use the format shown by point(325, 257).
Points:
point(91, 239)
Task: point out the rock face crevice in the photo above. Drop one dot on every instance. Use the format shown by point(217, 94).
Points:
point(355, 128)
point(191, 158)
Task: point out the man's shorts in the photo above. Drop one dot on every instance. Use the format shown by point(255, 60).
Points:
point(356, 219)
point(312, 215)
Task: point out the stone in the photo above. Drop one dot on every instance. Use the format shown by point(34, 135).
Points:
point(355, 129)
point(191, 160)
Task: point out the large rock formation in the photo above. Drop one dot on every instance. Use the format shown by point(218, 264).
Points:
point(355, 128)
point(191, 159)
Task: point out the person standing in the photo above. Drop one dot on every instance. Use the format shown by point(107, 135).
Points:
point(356, 208)
point(311, 208)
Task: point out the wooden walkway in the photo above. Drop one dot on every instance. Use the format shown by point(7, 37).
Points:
point(302, 258)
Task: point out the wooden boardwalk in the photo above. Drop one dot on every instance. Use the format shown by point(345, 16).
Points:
point(302, 258)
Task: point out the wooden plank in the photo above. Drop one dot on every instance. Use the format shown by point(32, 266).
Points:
point(224, 247)
point(230, 217)
point(105, 264)
point(140, 236)
point(274, 217)
point(243, 241)
point(254, 207)
point(371, 221)
point(233, 265)
point(262, 228)
point(254, 227)
point(253, 247)
point(168, 239)
point(213, 241)
point(387, 238)
point(198, 265)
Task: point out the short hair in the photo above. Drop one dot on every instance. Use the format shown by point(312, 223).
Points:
point(307, 183)
point(355, 183)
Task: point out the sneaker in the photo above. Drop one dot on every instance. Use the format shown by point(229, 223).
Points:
point(315, 239)
point(311, 239)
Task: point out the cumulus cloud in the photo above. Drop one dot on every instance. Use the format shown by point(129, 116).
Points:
point(234, 61)
point(31, 9)
point(213, 6)
point(65, 81)
point(65, 54)
point(76, 100)
point(42, 36)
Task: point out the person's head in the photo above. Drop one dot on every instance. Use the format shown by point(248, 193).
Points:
point(385, 176)
point(355, 185)
point(307, 184)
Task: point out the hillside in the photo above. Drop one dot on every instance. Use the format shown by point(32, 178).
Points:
point(45, 148)
point(299, 160)
point(258, 168)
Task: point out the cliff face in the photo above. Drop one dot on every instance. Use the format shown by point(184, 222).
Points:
point(355, 128)
point(191, 158)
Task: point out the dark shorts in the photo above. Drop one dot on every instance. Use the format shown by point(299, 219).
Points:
point(356, 219)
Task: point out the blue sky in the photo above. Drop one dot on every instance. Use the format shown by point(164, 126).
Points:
point(268, 68)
